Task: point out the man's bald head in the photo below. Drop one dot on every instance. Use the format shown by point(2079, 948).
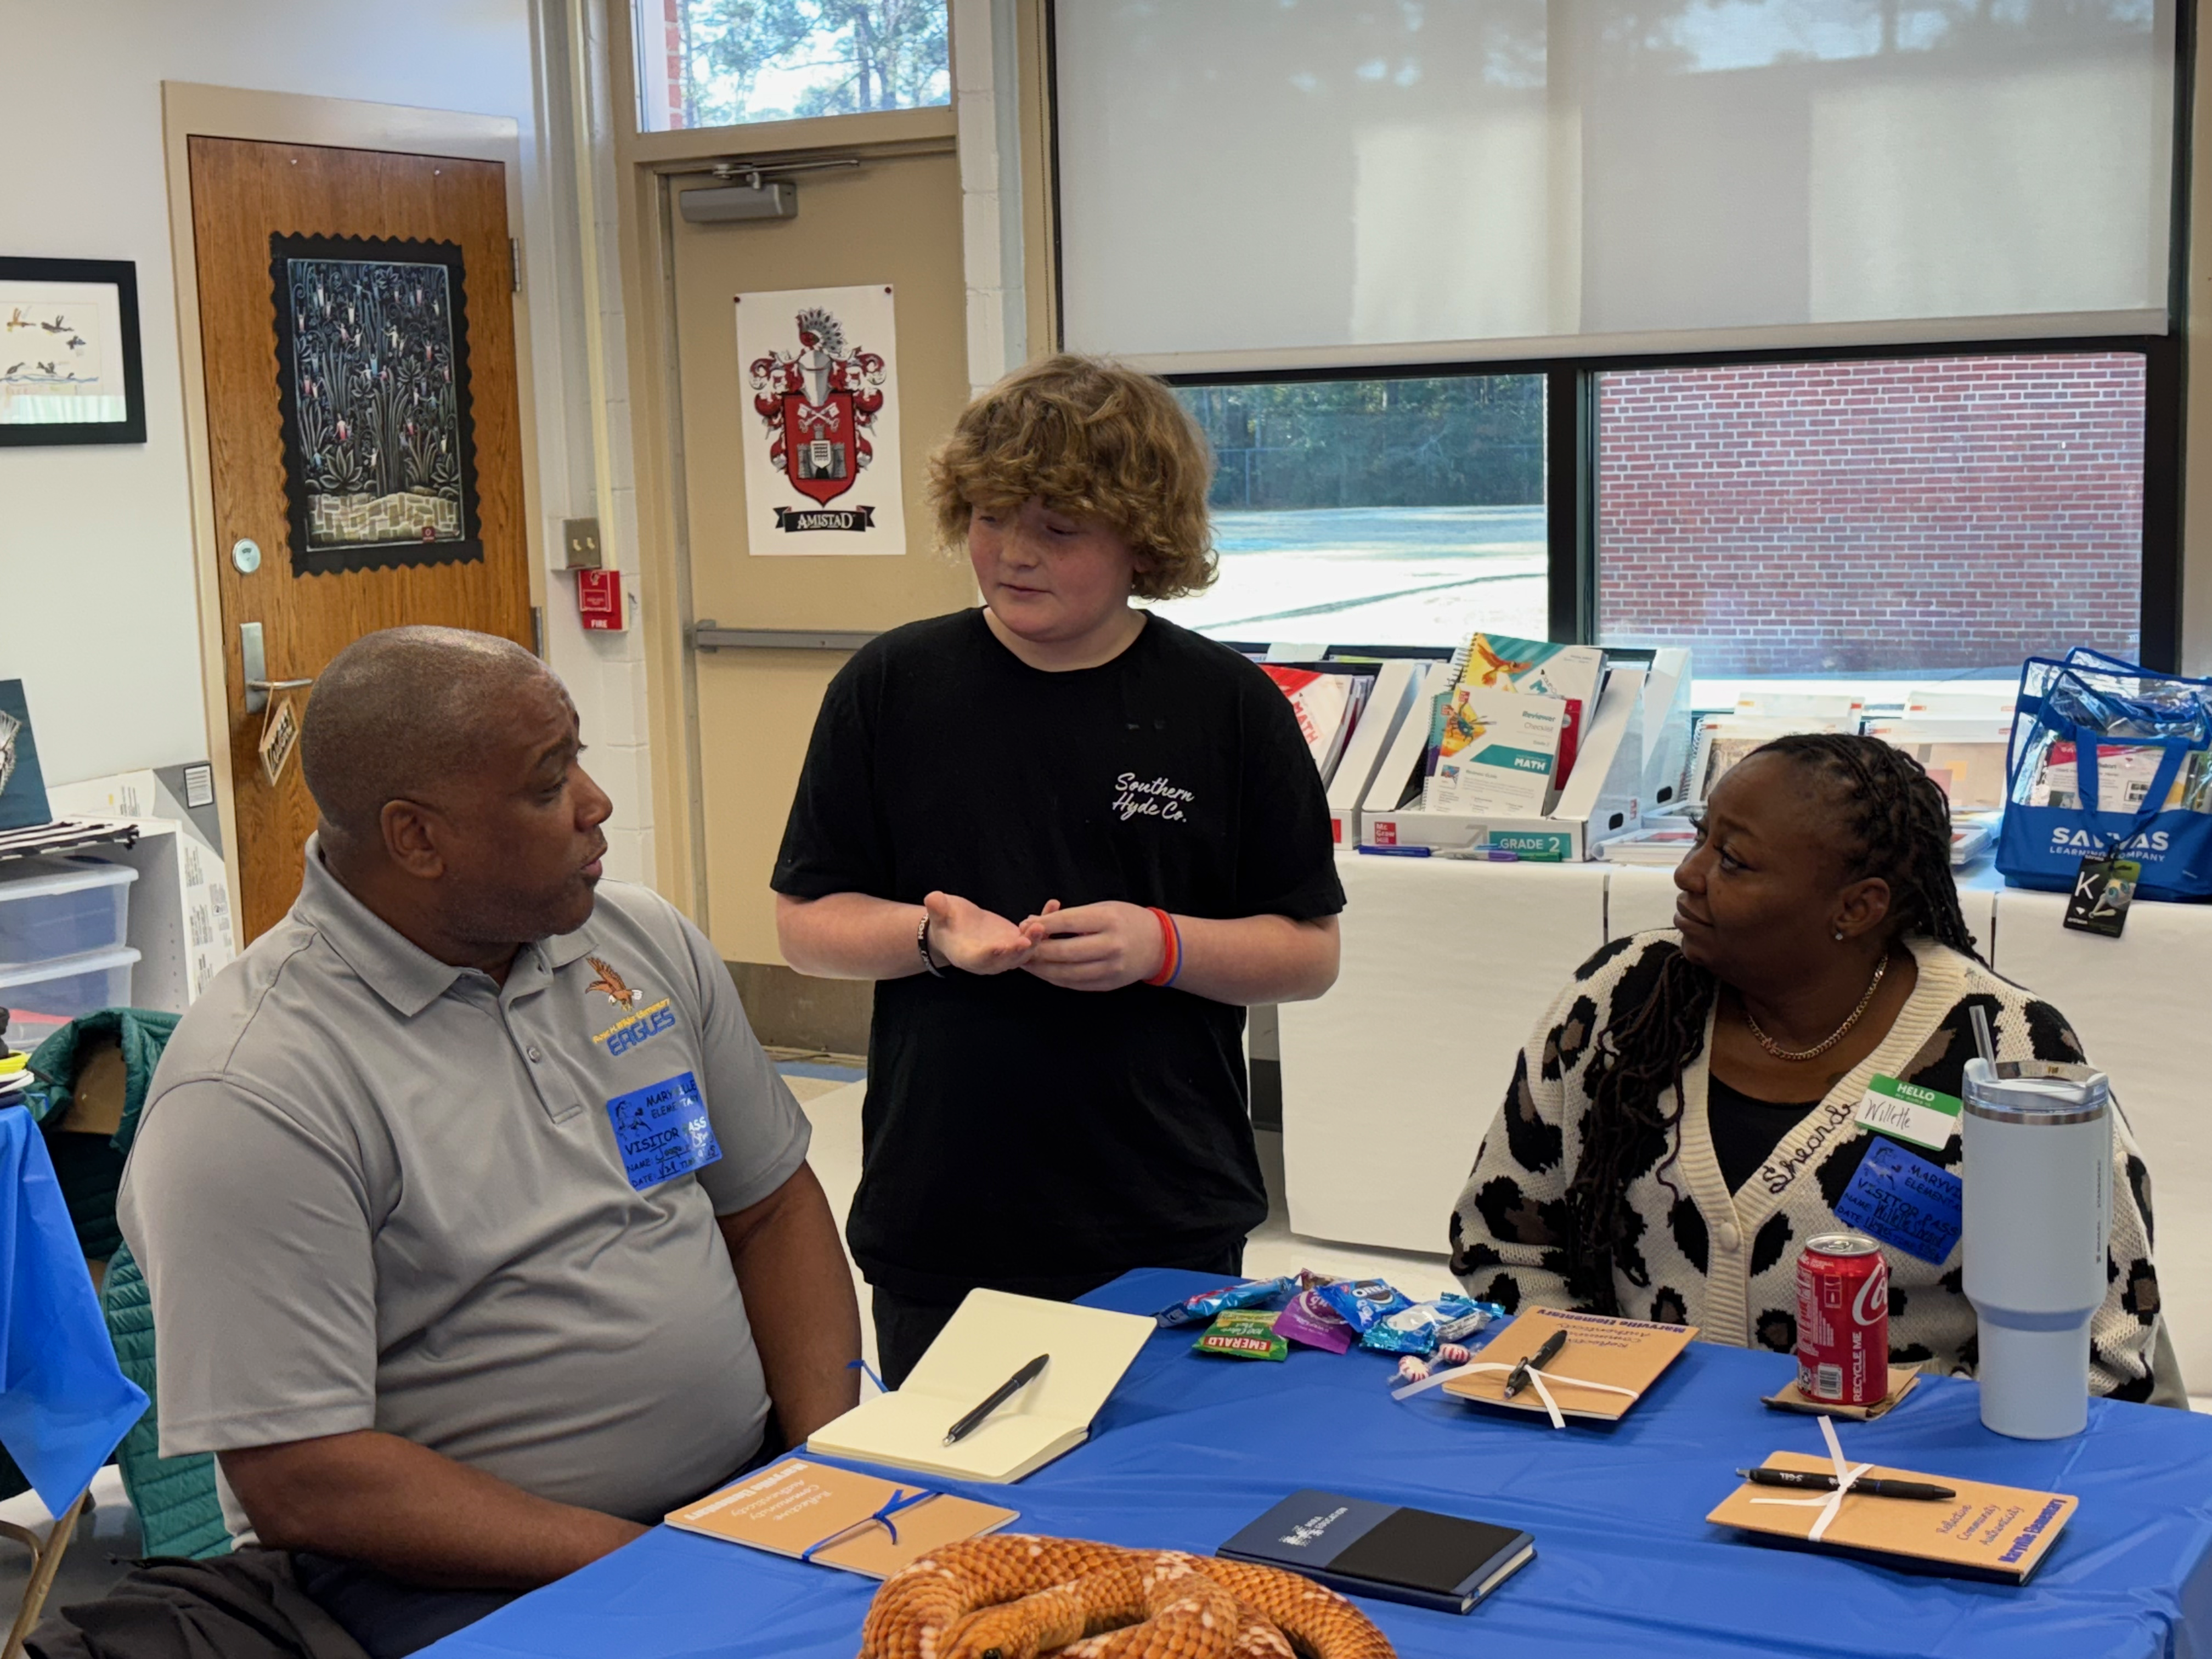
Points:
point(398, 713)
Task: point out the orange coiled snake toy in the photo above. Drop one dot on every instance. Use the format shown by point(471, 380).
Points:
point(1015, 1597)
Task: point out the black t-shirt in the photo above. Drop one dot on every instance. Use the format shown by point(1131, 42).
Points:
point(1744, 1131)
point(1017, 1134)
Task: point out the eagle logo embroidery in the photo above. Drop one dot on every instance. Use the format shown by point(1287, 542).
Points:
point(611, 982)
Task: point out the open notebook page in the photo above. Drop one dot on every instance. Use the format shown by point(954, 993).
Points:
point(992, 1336)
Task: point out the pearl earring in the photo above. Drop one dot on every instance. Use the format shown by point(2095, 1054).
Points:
point(1840, 936)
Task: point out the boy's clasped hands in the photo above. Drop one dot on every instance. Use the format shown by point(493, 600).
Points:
point(1092, 947)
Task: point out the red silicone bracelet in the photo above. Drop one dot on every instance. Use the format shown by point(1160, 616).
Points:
point(1170, 948)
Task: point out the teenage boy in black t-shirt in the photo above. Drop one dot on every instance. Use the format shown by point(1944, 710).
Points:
point(1070, 841)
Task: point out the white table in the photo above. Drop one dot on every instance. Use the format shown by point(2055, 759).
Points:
point(1390, 1080)
point(2140, 1006)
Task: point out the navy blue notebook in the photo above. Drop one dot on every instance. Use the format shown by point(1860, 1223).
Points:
point(1384, 1549)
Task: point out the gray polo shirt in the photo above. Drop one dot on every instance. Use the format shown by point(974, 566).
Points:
point(371, 1190)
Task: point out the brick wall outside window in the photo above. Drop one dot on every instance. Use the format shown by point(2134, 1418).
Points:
point(1893, 516)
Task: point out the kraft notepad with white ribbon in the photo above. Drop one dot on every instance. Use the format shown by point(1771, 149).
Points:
point(1603, 1369)
point(834, 1518)
point(1989, 1532)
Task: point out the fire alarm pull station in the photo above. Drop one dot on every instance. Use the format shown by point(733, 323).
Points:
point(600, 600)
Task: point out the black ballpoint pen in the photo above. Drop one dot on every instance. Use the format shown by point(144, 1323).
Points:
point(1005, 1391)
point(1517, 1379)
point(1810, 1480)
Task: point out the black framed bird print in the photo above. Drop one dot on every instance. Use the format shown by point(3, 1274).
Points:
point(69, 366)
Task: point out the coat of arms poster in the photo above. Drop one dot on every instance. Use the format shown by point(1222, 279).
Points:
point(822, 443)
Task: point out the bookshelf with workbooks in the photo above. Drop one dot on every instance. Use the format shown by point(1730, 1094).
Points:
point(1523, 748)
point(1349, 709)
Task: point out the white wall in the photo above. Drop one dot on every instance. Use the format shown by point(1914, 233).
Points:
point(97, 605)
point(987, 97)
point(605, 672)
point(96, 543)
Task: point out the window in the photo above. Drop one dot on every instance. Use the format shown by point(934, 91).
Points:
point(1825, 338)
point(1374, 512)
point(725, 62)
point(1909, 515)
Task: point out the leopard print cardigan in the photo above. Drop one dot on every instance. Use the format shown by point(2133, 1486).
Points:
point(1726, 1262)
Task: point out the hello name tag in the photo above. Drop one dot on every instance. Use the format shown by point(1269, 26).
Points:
point(1924, 1117)
point(663, 1130)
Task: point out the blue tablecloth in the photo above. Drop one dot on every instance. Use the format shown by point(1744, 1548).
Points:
point(1190, 1450)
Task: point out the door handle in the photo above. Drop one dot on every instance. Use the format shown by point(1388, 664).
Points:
point(253, 659)
point(707, 635)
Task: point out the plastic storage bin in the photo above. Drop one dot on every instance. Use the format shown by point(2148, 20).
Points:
point(44, 995)
point(52, 908)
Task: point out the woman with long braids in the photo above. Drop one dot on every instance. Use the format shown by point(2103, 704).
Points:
point(1685, 1117)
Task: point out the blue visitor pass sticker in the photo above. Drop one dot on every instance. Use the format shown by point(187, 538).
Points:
point(662, 1131)
point(1901, 1198)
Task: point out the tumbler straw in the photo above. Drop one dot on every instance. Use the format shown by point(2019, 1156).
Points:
point(1983, 1039)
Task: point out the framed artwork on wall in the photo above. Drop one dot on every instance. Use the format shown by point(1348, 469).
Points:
point(70, 369)
point(372, 384)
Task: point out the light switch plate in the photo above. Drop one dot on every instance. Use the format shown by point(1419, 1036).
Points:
point(579, 543)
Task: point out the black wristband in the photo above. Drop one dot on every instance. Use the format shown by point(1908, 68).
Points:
point(921, 944)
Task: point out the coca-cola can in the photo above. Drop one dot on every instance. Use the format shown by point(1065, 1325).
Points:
point(1843, 1320)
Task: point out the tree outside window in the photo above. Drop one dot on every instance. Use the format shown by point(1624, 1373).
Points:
point(731, 62)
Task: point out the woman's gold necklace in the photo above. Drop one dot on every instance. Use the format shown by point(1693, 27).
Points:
point(1841, 1031)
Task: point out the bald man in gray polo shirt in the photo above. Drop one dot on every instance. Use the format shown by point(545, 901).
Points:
point(479, 1229)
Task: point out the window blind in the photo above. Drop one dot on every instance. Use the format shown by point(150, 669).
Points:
point(1309, 181)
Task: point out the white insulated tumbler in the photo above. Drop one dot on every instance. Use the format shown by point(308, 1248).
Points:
point(2037, 1150)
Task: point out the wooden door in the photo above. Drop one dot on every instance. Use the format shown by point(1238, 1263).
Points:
point(895, 220)
point(388, 514)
